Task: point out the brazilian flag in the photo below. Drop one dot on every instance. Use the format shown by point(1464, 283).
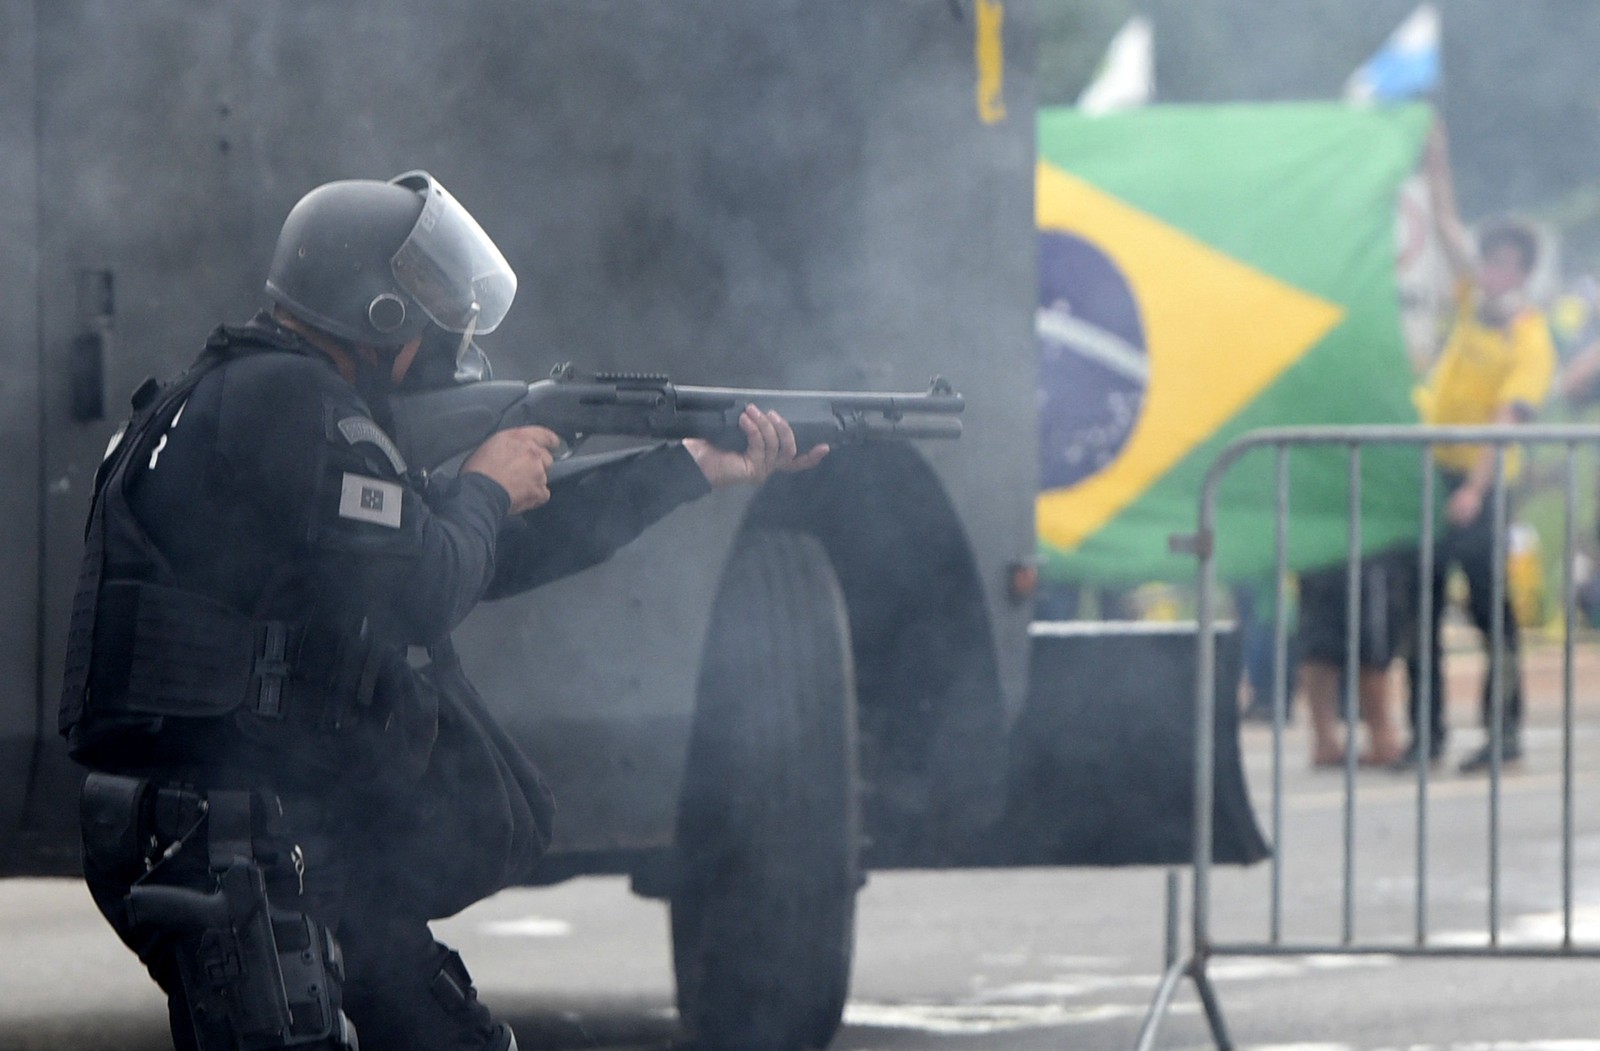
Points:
point(1205, 271)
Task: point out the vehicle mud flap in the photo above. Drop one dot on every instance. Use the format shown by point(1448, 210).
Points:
point(1101, 770)
point(763, 915)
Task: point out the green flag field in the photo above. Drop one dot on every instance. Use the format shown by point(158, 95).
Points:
point(1206, 271)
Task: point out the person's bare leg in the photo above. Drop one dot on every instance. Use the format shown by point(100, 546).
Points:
point(1383, 735)
point(1320, 683)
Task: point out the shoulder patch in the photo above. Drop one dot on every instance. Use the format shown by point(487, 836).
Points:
point(370, 500)
point(358, 429)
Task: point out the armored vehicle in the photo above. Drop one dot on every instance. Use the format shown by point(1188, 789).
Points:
point(770, 693)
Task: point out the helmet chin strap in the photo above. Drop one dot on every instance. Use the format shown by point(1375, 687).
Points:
point(466, 334)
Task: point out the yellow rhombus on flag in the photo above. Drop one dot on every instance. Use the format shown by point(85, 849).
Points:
point(1210, 361)
point(1253, 249)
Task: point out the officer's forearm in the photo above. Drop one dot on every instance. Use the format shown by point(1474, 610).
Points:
point(590, 516)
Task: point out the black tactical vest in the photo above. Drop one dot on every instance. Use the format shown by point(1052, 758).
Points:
point(116, 551)
point(144, 652)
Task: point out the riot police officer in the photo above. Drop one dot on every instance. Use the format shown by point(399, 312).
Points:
point(290, 776)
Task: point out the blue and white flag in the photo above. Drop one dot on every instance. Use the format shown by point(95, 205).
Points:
point(1405, 67)
point(1126, 77)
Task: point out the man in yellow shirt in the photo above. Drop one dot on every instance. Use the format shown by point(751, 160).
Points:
point(1496, 368)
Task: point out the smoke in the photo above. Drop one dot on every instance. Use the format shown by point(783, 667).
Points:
point(767, 194)
point(20, 435)
point(1515, 93)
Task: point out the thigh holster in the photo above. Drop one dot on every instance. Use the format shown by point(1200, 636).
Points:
point(255, 975)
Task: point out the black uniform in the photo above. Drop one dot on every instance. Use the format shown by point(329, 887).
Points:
point(260, 652)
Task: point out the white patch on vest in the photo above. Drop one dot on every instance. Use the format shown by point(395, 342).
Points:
point(162, 444)
point(370, 500)
point(116, 440)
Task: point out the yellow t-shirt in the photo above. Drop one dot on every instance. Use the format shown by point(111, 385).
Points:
point(1483, 369)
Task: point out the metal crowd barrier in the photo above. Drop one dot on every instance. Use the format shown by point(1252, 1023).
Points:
point(1203, 947)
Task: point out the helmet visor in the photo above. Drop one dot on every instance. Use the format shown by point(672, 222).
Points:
point(450, 266)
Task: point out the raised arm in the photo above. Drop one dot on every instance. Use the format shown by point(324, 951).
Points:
point(1453, 236)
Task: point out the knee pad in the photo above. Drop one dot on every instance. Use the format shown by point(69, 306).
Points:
point(425, 1000)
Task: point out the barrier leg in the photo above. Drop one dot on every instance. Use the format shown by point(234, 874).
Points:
point(1174, 904)
point(1158, 1006)
point(1213, 1006)
point(1195, 968)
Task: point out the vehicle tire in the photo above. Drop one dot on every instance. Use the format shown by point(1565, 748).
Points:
point(763, 912)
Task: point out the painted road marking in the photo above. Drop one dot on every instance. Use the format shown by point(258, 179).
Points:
point(982, 1019)
point(527, 927)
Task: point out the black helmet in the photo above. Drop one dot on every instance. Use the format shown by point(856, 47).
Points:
point(375, 262)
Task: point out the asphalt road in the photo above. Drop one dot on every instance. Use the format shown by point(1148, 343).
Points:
point(1044, 958)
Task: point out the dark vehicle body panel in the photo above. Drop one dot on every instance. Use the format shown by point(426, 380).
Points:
point(776, 193)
